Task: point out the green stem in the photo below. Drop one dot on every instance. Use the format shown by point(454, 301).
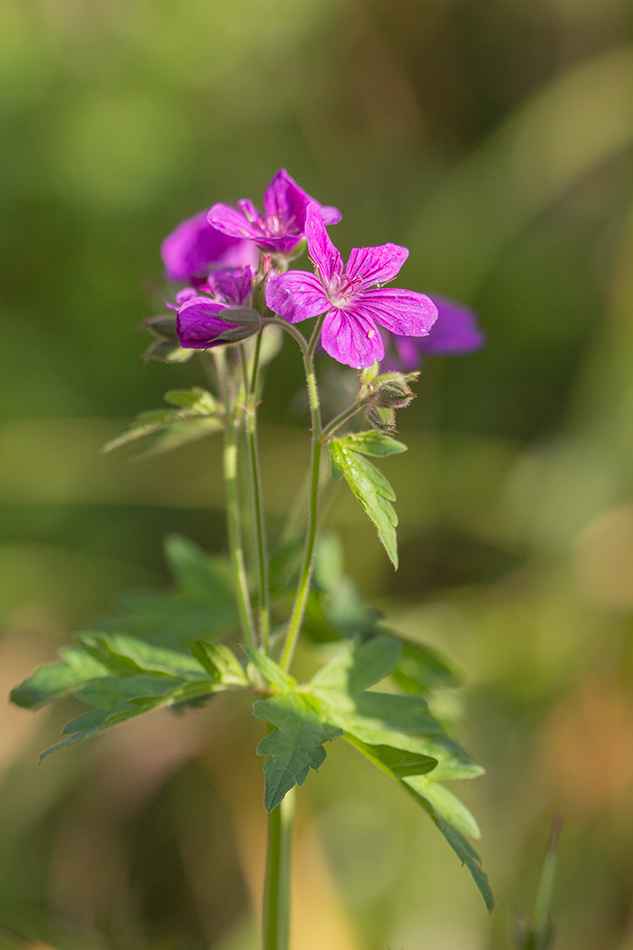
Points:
point(342, 417)
point(234, 528)
point(289, 328)
point(251, 386)
point(277, 889)
point(301, 597)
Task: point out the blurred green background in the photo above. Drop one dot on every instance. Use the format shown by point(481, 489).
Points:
point(494, 140)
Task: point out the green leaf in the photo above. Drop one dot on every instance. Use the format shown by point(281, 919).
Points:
point(445, 804)
point(220, 662)
point(55, 680)
point(370, 487)
point(372, 443)
point(127, 655)
point(398, 763)
point(202, 608)
point(358, 665)
point(270, 670)
point(294, 746)
point(462, 848)
point(423, 668)
point(161, 430)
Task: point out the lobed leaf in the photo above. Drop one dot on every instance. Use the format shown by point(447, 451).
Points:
point(295, 745)
point(55, 680)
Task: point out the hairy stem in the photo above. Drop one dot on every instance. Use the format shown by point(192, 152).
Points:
point(301, 597)
point(250, 386)
point(234, 528)
point(277, 890)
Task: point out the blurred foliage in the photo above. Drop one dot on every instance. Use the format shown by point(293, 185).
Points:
point(492, 139)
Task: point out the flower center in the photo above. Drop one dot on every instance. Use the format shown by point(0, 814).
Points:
point(343, 290)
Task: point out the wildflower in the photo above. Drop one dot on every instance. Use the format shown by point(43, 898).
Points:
point(349, 297)
point(223, 317)
point(454, 333)
point(282, 226)
point(191, 251)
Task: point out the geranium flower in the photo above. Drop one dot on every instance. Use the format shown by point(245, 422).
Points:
point(454, 333)
point(223, 317)
point(282, 226)
point(193, 248)
point(349, 297)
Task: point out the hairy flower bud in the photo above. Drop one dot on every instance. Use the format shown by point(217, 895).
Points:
point(393, 391)
point(382, 418)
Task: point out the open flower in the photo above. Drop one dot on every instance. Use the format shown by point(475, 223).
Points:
point(454, 333)
point(349, 298)
point(282, 226)
point(223, 317)
point(194, 248)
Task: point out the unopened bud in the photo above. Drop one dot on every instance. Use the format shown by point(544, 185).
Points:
point(394, 392)
point(382, 418)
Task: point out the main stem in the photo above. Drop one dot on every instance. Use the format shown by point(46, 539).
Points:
point(277, 889)
point(301, 597)
point(236, 551)
point(251, 386)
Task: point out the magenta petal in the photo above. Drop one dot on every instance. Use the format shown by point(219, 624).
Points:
point(401, 311)
point(376, 265)
point(329, 214)
point(195, 246)
point(456, 331)
point(320, 247)
point(353, 340)
point(284, 200)
point(296, 295)
point(230, 221)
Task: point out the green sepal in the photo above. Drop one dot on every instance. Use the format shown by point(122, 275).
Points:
point(294, 746)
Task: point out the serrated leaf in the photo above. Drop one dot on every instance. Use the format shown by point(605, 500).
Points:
point(161, 430)
point(422, 667)
point(462, 848)
point(270, 670)
point(124, 654)
point(55, 680)
point(398, 763)
point(445, 803)
point(358, 665)
point(196, 573)
point(220, 662)
point(294, 746)
point(372, 490)
point(197, 400)
point(202, 608)
point(372, 443)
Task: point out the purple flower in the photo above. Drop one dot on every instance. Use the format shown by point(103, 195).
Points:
point(224, 317)
point(195, 247)
point(454, 333)
point(282, 226)
point(352, 304)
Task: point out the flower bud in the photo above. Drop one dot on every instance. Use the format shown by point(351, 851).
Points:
point(393, 391)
